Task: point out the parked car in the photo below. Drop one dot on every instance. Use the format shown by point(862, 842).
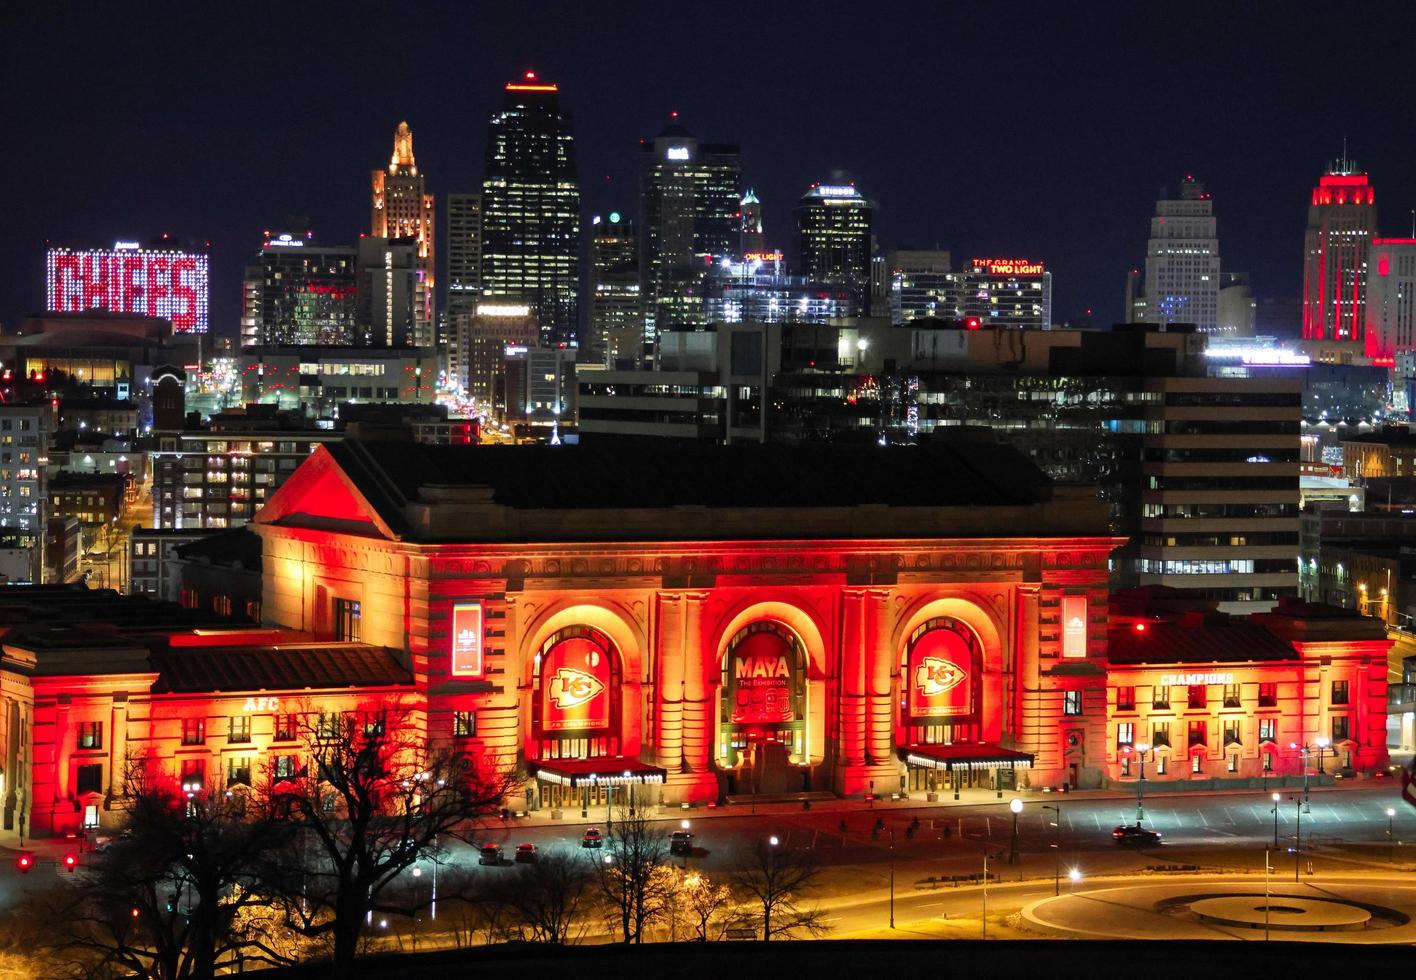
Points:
point(526, 854)
point(1136, 835)
point(681, 843)
point(592, 838)
point(489, 854)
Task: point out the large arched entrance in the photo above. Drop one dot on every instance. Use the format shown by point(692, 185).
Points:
point(943, 720)
point(576, 707)
point(762, 715)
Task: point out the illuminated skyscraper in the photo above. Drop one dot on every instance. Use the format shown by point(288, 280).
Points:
point(1342, 221)
point(690, 216)
point(402, 209)
point(833, 237)
point(464, 252)
point(616, 314)
point(1182, 262)
point(531, 209)
point(751, 240)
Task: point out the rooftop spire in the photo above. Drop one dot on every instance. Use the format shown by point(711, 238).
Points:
point(402, 150)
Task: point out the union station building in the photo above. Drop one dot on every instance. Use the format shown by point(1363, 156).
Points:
point(698, 624)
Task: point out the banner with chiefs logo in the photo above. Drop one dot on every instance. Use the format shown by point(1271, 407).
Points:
point(941, 675)
point(575, 686)
point(763, 679)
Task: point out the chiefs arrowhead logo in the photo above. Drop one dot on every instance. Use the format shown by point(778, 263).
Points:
point(570, 688)
point(935, 675)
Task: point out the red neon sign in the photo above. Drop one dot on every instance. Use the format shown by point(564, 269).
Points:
point(1009, 267)
point(172, 285)
point(1074, 626)
point(941, 670)
point(467, 640)
point(575, 686)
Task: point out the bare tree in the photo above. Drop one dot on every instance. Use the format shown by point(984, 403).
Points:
point(170, 896)
point(636, 892)
point(708, 906)
point(547, 899)
point(773, 882)
point(373, 799)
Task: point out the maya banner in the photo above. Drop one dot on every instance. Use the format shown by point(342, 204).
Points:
point(467, 639)
point(762, 679)
point(941, 675)
point(575, 687)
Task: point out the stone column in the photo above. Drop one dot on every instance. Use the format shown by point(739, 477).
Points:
point(880, 671)
point(852, 723)
point(700, 666)
point(61, 750)
point(1026, 670)
point(670, 676)
point(118, 753)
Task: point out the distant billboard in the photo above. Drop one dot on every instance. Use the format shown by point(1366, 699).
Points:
point(151, 282)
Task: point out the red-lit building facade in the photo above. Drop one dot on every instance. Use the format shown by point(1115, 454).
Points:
point(907, 635)
point(1200, 695)
point(920, 621)
point(1342, 221)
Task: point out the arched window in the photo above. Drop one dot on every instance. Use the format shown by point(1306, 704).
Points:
point(939, 690)
point(576, 707)
point(763, 692)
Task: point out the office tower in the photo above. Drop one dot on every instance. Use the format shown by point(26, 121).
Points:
point(1182, 262)
point(307, 293)
point(834, 238)
point(464, 252)
point(402, 209)
point(1237, 307)
point(531, 209)
point(689, 217)
point(390, 291)
point(1008, 292)
point(920, 285)
point(616, 314)
point(757, 288)
point(751, 239)
point(1342, 221)
point(1391, 297)
point(478, 343)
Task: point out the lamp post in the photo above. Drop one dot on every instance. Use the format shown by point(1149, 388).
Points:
point(1075, 875)
point(1275, 823)
point(1268, 868)
point(1017, 807)
point(1057, 871)
point(1322, 742)
point(683, 825)
point(1304, 749)
point(892, 877)
point(1391, 853)
point(1141, 749)
point(1297, 839)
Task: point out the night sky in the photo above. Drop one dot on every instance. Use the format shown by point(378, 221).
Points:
point(1037, 130)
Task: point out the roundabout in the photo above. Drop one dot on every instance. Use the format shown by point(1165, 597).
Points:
point(1352, 909)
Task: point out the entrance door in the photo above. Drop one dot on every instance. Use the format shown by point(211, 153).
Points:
point(1074, 771)
point(773, 772)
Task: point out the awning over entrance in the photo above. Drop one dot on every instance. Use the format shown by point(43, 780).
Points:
point(967, 755)
point(615, 770)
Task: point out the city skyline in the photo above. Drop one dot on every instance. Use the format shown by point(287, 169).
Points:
point(1026, 186)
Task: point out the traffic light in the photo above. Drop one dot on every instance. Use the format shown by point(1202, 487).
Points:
point(71, 861)
point(25, 861)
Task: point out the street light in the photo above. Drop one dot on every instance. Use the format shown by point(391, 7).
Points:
point(1275, 822)
point(892, 876)
point(1391, 853)
point(1141, 749)
point(1305, 750)
point(1017, 807)
point(1056, 808)
point(1297, 838)
point(1075, 875)
point(1322, 742)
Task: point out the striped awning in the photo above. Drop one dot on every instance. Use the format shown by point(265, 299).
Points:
point(967, 755)
point(603, 771)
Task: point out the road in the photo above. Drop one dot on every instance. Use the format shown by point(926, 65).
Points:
point(1207, 828)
